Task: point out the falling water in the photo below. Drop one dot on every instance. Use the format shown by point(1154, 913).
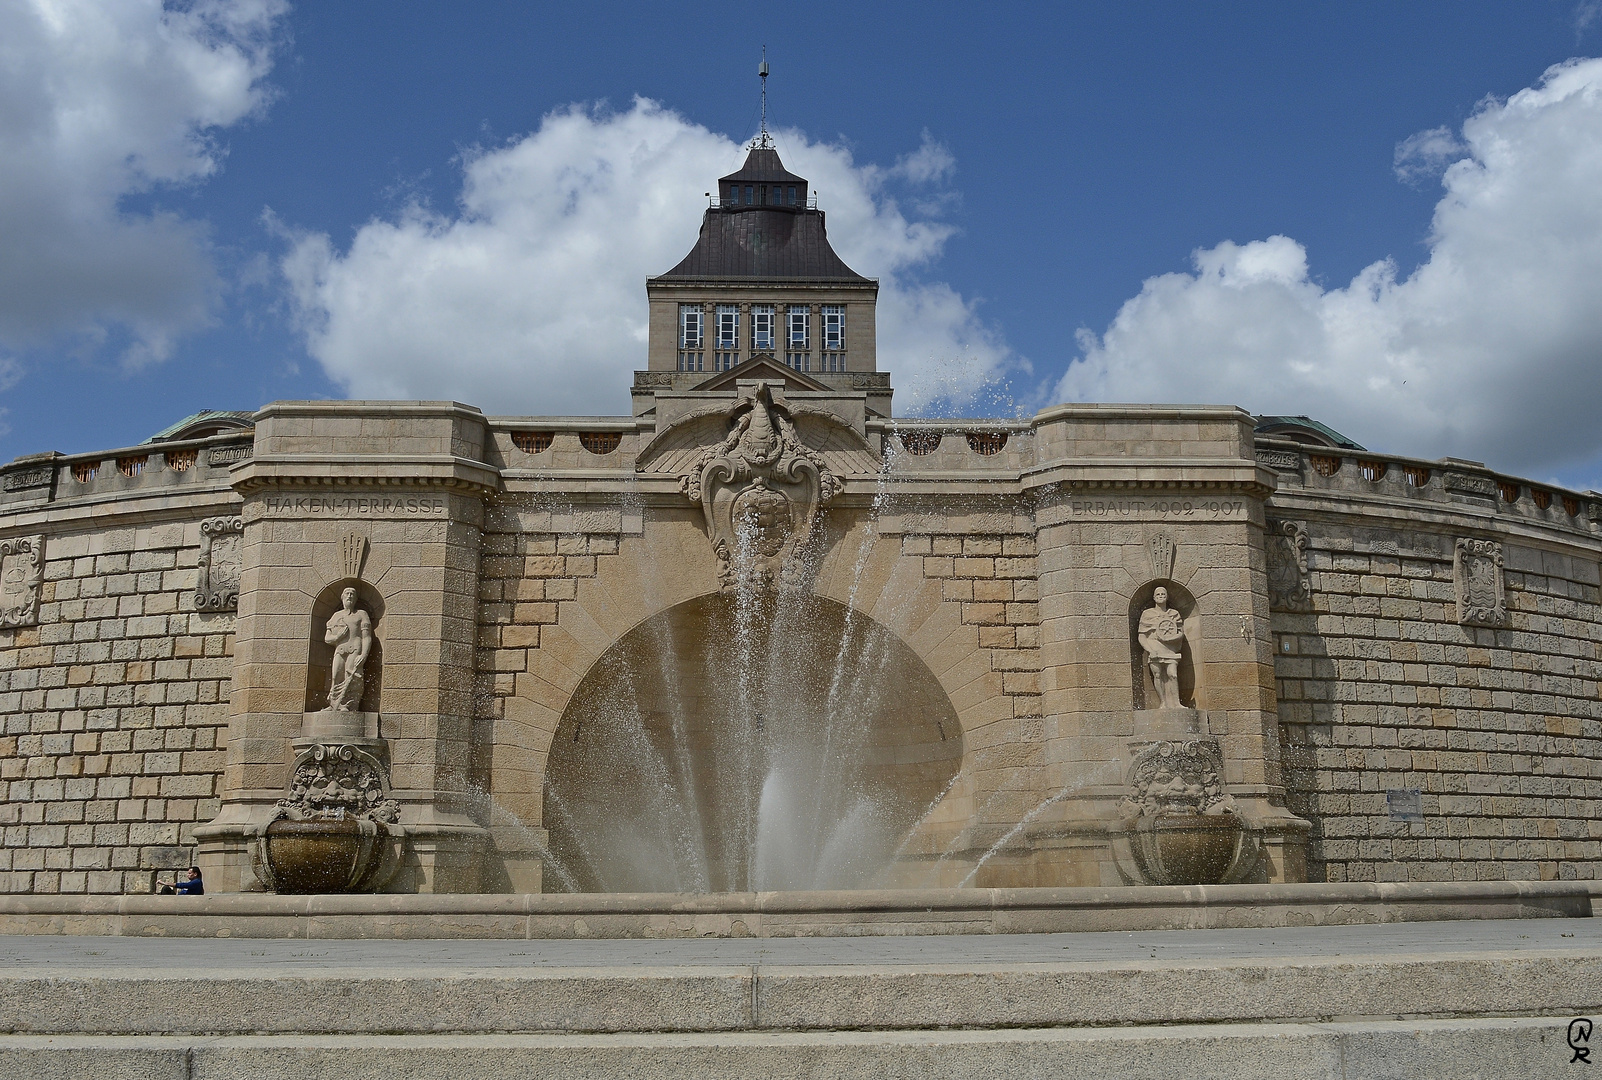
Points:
point(761, 738)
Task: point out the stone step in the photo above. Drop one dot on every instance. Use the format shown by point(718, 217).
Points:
point(73, 986)
point(1504, 1048)
point(791, 914)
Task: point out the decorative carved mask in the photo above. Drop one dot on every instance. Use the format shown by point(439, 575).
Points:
point(1168, 778)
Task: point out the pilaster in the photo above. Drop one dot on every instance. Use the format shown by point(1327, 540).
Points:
point(1129, 499)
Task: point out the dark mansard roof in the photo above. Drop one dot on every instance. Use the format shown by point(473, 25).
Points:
point(763, 242)
point(772, 242)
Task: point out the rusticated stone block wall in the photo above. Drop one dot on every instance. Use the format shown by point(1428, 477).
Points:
point(1499, 728)
point(115, 710)
point(993, 578)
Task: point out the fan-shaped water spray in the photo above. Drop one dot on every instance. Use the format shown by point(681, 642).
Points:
point(747, 742)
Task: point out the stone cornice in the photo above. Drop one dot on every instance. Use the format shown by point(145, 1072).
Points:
point(1114, 411)
point(355, 471)
point(120, 509)
point(381, 409)
point(1374, 511)
point(1181, 474)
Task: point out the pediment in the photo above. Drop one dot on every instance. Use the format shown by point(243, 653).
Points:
point(761, 366)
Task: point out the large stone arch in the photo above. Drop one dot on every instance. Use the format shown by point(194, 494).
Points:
point(858, 567)
point(759, 741)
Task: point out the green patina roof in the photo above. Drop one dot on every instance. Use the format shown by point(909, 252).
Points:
point(229, 419)
point(1267, 424)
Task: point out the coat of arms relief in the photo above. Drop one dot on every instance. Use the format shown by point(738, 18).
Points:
point(760, 490)
point(21, 571)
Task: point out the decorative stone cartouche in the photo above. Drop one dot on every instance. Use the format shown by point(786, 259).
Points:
point(759, 491)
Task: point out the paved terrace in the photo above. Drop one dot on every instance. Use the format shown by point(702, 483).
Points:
point(1453, 999)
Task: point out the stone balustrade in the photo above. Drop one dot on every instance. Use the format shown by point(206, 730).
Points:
point(148, 467)
point(1444, 483)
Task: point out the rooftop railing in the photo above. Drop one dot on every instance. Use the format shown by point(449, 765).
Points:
point(713, 202)
point(1447, 480)
point(61, 477)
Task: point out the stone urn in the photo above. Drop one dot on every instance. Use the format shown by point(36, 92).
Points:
point(1180, 824)
point(1186, 849)
point(337, 828)
point(323, 856)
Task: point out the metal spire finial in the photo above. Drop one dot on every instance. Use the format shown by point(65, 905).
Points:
point(763, 141)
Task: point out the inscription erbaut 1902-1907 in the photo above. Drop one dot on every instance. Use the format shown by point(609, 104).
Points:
point(1169, 508)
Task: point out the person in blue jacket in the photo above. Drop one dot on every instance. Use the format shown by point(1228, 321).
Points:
point(189, 886)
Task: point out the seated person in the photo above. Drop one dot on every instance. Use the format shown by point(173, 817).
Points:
point(191, 885)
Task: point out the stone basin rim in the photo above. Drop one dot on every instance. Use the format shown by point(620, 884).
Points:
point(863, 901)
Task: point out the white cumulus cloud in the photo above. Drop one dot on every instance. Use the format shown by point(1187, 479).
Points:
point(1491, 349)
point(528, 296)
point(100, 100)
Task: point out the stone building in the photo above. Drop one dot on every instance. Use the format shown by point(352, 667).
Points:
point(764, 634)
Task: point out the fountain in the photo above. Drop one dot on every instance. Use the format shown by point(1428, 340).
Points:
point(758, 635)
point(337, 828)
point(747, 741)
point(761, 737)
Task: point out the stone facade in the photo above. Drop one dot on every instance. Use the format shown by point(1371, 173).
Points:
point(1358, 629)
point(759, 635)
point(1399, 673)
point(114, 696)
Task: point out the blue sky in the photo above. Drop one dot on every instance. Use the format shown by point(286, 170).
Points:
point(214, 205)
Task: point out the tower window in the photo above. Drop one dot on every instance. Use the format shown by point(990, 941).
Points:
point(789, 196)
point(689, 326)
point(749, 199)
point(834, 327)
point(762, 326)
point(728, 326)
point(800, 328)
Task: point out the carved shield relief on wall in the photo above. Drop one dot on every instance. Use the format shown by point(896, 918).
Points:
point(218, 587)
point(1477, 571)
point(1289, 586)
point(759, 491)
point(21, 569)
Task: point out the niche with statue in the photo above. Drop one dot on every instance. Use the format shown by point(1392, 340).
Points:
point(1164, 634)
point(337, 828)
point(345, 655)
point(1179, 826)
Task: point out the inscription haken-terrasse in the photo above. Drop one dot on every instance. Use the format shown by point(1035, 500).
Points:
point(356, 505)
point(1168, 508)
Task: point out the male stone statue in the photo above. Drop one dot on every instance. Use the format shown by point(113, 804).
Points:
point(1161, 637)
point(350, 632)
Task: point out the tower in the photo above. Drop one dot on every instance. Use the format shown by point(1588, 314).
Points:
point(762, 294)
